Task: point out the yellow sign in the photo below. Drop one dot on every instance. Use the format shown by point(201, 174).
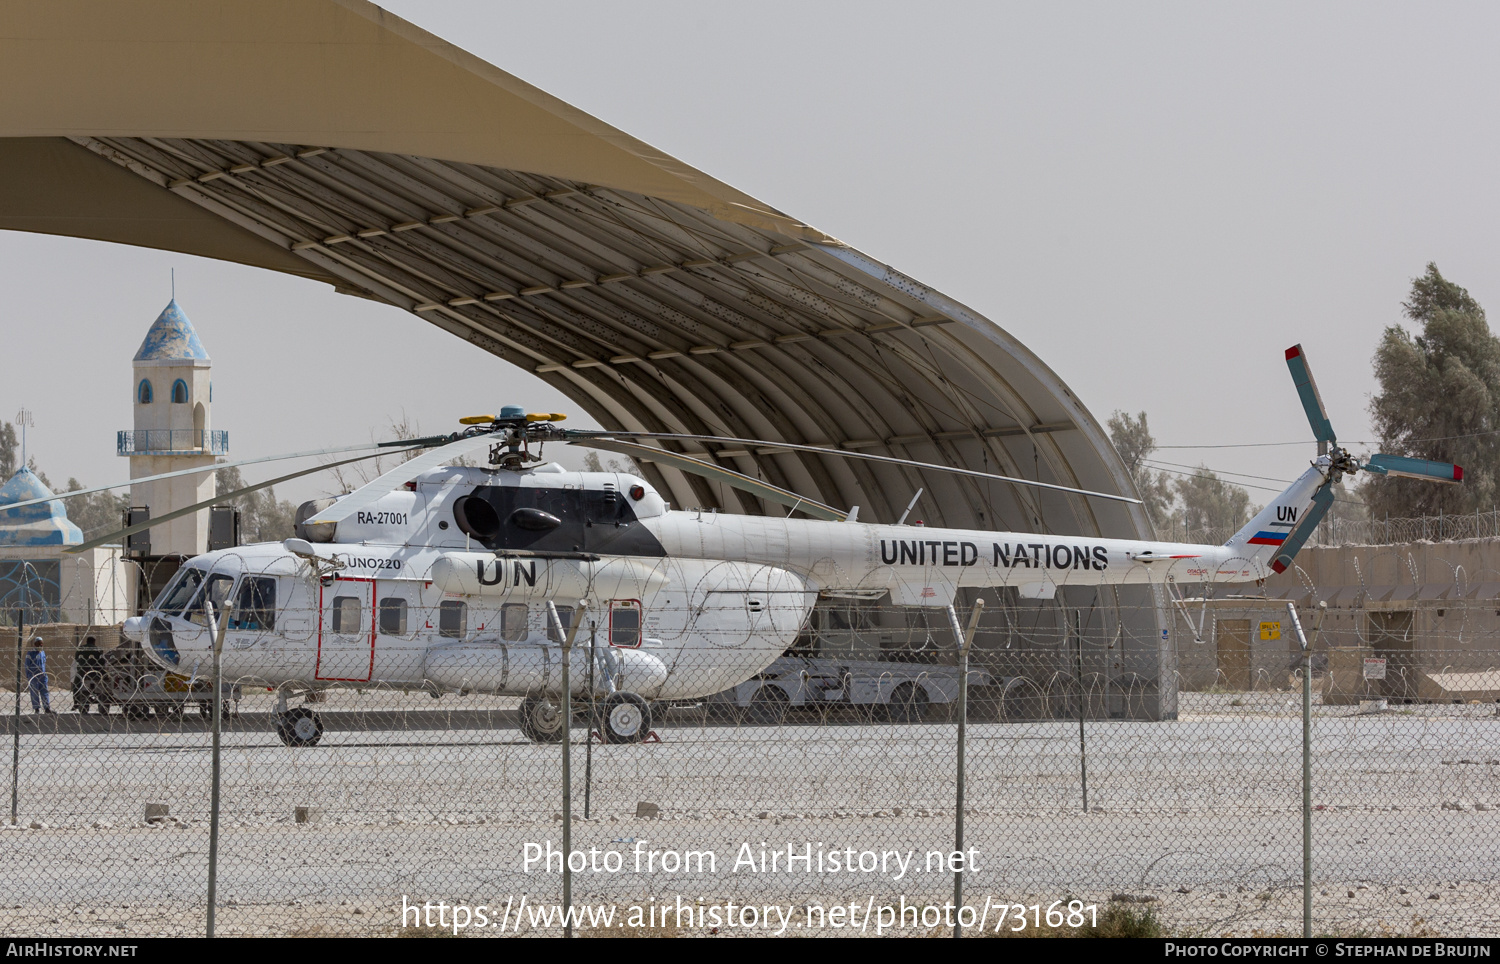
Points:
point(1270, 630)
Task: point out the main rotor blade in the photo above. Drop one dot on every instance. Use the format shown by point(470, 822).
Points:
point(366, 495)
point(841, 453)
point(222, 497)
point(219, 465)
point(1307, 390)
point(717, 473)
point(1403, 467)
point(1322, 501)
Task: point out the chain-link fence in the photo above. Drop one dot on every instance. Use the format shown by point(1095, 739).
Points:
point(1103, 782)
point(1361, 532)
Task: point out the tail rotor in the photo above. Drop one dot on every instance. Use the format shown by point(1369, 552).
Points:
point(1335, 462)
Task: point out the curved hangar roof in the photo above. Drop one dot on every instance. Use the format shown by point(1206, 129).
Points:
point(329, 139)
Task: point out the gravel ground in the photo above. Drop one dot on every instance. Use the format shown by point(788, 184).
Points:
point(1197, 819)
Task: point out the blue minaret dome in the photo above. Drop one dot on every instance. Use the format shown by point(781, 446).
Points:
point(45, 524)
point(172, 338)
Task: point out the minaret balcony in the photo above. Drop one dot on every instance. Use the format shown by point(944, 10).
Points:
point(172, 441)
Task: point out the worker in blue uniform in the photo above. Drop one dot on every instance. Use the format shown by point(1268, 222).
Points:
point(36, 677)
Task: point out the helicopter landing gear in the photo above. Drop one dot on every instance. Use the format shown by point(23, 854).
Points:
point(624, 718)
point(541, 720)
point(299, 727)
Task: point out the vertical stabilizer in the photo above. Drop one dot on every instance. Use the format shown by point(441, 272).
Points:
point(1262, 539)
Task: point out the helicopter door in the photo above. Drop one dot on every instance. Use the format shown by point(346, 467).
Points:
point(346, 630)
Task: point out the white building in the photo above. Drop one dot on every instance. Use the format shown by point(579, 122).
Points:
point(173, 402)
point(39, 581)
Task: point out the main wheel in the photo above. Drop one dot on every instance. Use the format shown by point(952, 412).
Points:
point(626, 718)
point(299, 726)
point(137, 711)
point(767, 707)
point(908, 704)
point(541, 720)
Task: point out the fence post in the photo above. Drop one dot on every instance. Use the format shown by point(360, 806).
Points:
point(1083, 753)
point(588, 742)
point(567, 757)
point(15, 730)
point(216, 627)
point(962, 639)
point(1306, 760)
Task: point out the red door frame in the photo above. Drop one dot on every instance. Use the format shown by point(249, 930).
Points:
point(640, 615)
point(370, 666)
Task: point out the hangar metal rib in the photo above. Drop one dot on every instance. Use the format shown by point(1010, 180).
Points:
point(656, 316)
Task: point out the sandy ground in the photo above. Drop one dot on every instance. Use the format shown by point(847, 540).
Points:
point(438, 800)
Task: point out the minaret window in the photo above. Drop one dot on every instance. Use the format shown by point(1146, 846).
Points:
point(179, 391)
point(143, 392)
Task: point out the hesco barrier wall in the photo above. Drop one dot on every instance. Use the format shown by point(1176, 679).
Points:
point(819, 797)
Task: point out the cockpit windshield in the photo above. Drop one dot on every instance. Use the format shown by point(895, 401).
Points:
point(216, 591)
point(179, 592)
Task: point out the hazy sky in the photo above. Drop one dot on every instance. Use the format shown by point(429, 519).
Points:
point(1156, 198)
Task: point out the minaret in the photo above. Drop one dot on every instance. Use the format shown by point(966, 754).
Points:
point(173, 399)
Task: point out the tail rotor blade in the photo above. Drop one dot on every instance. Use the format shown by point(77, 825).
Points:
point(1403, 467)
point(1322, 501)
point(1307, 390)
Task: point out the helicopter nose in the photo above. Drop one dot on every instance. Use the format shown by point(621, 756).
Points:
point(134, 629)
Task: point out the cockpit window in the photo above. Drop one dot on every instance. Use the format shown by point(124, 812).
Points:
point(178, 593)
point(255, 605)
point(216, 592)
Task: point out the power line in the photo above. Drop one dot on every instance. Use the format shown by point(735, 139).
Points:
point(1258, 445)
point(1243, 485)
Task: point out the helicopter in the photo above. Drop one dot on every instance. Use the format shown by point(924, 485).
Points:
point(457, 578)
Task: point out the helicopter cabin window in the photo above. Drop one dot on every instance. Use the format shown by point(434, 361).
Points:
point(393, 616)
point(216, 592)
point(255, 606)
point(513, 619)
point(143, 392)
point(564, 616)
point(453, 619)
point(180, 392)
point(179, 591)
point(625, 623)
point(346, 614)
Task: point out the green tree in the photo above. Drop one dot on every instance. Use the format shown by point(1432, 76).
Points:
point(9, 443)
point(1209, 502)
point(1439, 399)
point(262, 517)
point(97, 513)
point(1133, 440)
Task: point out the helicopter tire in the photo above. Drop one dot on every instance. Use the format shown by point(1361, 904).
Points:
point(908, 704)
point(136, 711)
point(541, 720)
point(624, 718)
point(299, 726)
point(768, 707)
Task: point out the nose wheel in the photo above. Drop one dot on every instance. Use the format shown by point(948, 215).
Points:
point(624, 718)
point(299, 726)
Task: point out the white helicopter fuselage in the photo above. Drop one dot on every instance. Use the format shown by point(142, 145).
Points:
point(445, 584)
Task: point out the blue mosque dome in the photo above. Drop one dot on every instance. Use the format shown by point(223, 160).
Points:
point(45, 524)
point(171, 338)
